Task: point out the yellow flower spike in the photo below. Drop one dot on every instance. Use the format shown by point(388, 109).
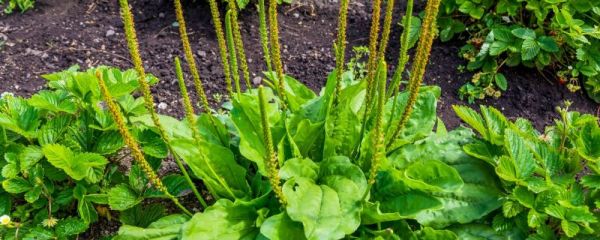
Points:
point(341, 45)
point(420, 63)
point(403, 58)
point(133, 145)
point(379, 136)
point(214, 11)
point(189, 112)
point(189, 56)
point(271, 159)
point(132, 44)
point(372, 61)
point(239, 43)
point(387, 25)
point(276, 52)
point(232, 52)
point(264, 35)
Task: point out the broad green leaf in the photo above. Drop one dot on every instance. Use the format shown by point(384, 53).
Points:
point(428, 233)
point(319, 209)
point(433, 175)
point(281, 227)
point(476, 232)
point(142, 216)
point(86, 210)
point(396, 197)
point(215, 165)
point(299, 167)
point(372, 214)
point(122, 197)
point(223, 220)
point(332, 209)
point(591, 181)
point(166, 228)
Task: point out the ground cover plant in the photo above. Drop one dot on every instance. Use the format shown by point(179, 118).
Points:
point(359, 159)
point(560, 36)
point(22, 5)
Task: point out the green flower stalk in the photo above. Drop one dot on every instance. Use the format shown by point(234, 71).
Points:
point(189, 56)
point(403, 58)
point(189, 114)
point(387, 26)
point(276, 52)
point(340, 45)
point(378, 134)
point(232, 51)
point(239, 43)
point(132, 144)
point(133, 46)
point(214, 11)
point(271, 159)
point(264, 35)
point(420, 63)
point(372, 61)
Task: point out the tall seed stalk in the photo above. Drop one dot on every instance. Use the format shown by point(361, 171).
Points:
point(271, 158)
point(372, 60)
point(214, 11)
point(276, 52)
point(387, 27)
point(403, 58)
point(232, 52)
point(264, 35)
point(189, 114)
point(420, 63)
point(189, 56)
point(340, 45)
point(133, 46)
point(132, 144)
point(239, 43)
point(378, 134)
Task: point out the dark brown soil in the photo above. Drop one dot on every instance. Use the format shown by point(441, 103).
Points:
point(58, 34)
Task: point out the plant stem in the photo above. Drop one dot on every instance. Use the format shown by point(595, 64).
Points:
point(271, 158)
point(136, 58)
point(189, 112)
point(276, 52)
point(264, 35)
point(232, 52)
point(403, 59)
point(214, 10)
point(239, 43)
point(420, 64)
point(341, 46)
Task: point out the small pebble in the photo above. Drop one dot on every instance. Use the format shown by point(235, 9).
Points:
point(110, 32)
point(257, 80)
point(162, 106)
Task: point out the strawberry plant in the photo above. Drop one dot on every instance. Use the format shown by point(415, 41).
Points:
point(559, 35)
point(22, 5)
point(541, 172)
point(56, 145)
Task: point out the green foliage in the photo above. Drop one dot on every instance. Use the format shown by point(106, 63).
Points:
point(22, 5)
point(538, 171)
point(560, 35)
point(55, 146)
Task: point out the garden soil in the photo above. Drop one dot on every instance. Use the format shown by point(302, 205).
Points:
point(60, 33)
